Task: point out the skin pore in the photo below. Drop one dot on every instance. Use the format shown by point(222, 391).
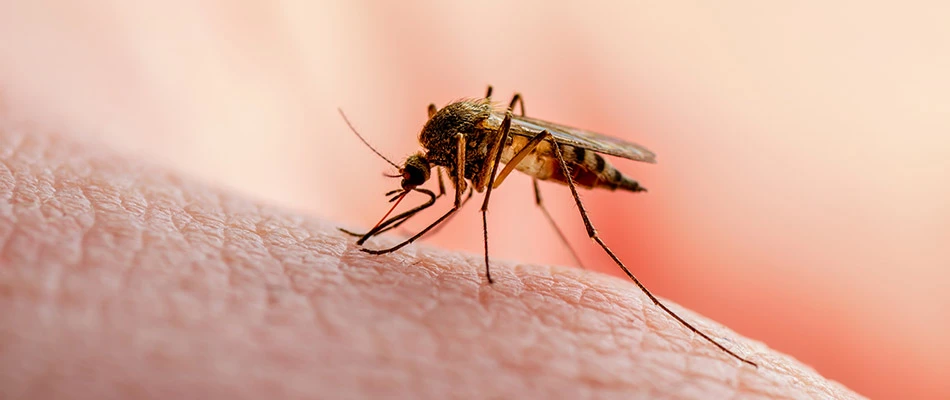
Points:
point(122, 280)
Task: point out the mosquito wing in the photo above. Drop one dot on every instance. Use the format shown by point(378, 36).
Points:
point(524, 126)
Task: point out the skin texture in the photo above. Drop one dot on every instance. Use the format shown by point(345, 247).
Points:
point(122, 280)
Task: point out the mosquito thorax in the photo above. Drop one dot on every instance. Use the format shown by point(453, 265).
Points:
point(416, 171)
point(439, 135)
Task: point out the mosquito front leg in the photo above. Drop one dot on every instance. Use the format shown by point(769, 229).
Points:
point(592, 232)
point(394, 221)
point(459, 177)
point(471, 190)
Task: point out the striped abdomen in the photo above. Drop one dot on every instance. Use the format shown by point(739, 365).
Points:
point(588, 169)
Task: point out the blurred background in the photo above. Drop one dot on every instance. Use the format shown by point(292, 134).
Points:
point(802, 194)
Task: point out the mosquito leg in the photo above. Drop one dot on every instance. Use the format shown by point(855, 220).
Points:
point(414, 237)
point(438, 171)
point(399, 219)
point(460, 181)
point(394, 221)
point(517, 99)
point(592, 232)
point(560, 234)
point(349, 232)
point(378, 231)
point(526, 150)
point(514, 161)
point(459, 168)
point(395, 224)
point(386, 226)
point(498, 148)
point(468, 197)
point(511, 106)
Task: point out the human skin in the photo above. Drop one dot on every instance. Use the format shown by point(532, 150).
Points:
point(119, 279)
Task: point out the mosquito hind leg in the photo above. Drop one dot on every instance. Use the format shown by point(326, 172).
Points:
point(500, 177)
point(547, 215)
point(516, 100)
point(592, 232)
point(511, 106)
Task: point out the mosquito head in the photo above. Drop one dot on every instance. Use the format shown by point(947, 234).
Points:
point(415, 172)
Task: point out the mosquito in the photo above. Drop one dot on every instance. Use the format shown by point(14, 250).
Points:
point(470, 139)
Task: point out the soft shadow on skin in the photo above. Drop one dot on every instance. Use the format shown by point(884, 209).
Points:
point(123, 280)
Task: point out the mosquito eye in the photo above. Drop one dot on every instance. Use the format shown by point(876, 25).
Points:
point(413, 177)
point(415, 172)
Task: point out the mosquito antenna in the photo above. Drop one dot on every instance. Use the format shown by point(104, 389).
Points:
point(364, 140)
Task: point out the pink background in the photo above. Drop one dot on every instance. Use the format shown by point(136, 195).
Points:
point(801, 196)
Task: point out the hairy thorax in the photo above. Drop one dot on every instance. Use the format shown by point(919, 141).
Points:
point(472, 119)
